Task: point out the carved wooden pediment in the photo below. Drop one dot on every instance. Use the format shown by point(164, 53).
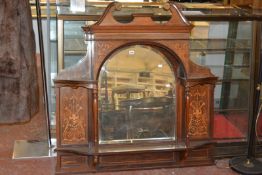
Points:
point(140, 22)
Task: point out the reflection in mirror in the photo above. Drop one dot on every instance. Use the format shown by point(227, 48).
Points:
point(136, 96)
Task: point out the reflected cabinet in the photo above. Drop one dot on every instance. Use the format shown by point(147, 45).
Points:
point(135, 100)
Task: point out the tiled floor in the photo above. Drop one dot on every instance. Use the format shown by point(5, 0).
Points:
point(46, 166)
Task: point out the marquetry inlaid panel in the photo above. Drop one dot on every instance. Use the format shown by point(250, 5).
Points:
point(180, 47)
point(73, 113)
point(198, 111)
point(102, 50)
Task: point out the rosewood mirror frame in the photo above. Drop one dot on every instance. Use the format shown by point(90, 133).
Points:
point(77, 123)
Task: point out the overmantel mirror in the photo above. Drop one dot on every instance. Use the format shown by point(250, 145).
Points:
point(135, 100)
point(136, 96)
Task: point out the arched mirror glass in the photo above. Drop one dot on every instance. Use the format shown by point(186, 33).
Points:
point(136, 95)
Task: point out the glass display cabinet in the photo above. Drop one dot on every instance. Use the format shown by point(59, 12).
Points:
point(227, 51)
point(136, 100)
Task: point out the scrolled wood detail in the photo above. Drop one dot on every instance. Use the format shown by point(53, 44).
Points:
point(102, 50)
point(180, 47)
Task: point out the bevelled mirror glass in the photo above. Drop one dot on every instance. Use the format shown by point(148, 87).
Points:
point(136, 96)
